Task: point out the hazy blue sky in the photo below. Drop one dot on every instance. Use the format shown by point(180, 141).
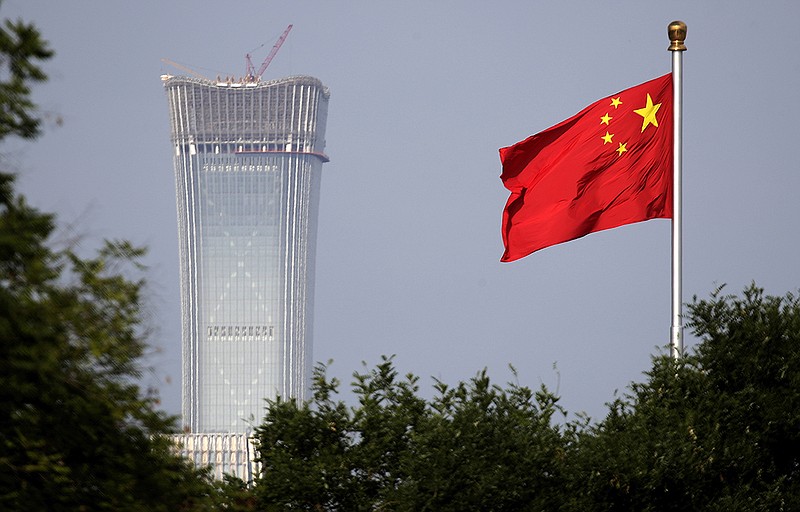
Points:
point(422, 95)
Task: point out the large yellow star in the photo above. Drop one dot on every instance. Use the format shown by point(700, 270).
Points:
point(648, 112)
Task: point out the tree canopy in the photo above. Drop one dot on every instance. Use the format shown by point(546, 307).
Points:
point(476, 446)
point(718, 429)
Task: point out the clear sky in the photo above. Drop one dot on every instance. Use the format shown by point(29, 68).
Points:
point(422, 96)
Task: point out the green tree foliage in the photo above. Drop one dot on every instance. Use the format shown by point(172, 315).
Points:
point(21, 49)
point(483, 447)
point(718, 430)
point(76, 432)
point(476, 446)
point(232, 495)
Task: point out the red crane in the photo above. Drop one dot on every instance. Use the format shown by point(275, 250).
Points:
point(255, 76)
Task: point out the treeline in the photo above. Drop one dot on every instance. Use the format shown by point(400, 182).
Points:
point(716, 430)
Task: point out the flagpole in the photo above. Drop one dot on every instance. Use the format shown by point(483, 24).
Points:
point(677, 35)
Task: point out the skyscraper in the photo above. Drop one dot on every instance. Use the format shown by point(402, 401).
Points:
point(248, 158)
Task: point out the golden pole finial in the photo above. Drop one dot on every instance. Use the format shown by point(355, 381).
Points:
point(677, 35)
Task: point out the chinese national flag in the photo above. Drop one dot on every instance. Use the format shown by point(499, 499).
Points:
point(607, 166)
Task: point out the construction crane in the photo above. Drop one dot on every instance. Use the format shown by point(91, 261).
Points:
point(254, 76)
point(184, 68)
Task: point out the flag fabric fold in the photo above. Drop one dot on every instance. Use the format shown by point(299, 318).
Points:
point(607, 166)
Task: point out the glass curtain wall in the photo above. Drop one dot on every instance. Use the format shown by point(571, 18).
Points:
point(248, 159)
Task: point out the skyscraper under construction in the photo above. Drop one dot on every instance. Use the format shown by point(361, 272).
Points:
point(248, 158)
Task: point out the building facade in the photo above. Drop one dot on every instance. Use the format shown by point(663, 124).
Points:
point(233, 454)
point(248, 157)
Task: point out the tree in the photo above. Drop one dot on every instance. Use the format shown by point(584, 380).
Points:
point(76, 432)
point(21, 50)
point(717, 430)
point(484, 447)
point(303, 452)
point(475, 446)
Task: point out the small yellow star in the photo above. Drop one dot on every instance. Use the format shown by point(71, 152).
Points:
point(616, 102)
point(607, 138)
point(605, 119)
point(621, 149)
point(648, 112)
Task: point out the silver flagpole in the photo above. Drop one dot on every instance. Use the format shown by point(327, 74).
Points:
point(677, 35)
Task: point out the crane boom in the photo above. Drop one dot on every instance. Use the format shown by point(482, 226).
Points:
point(257, 75)
point(183, 68)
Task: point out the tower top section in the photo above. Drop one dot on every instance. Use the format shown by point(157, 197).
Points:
point(286, 115)
point(243, 82)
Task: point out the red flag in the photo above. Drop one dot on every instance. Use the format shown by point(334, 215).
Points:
point(608, 165)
